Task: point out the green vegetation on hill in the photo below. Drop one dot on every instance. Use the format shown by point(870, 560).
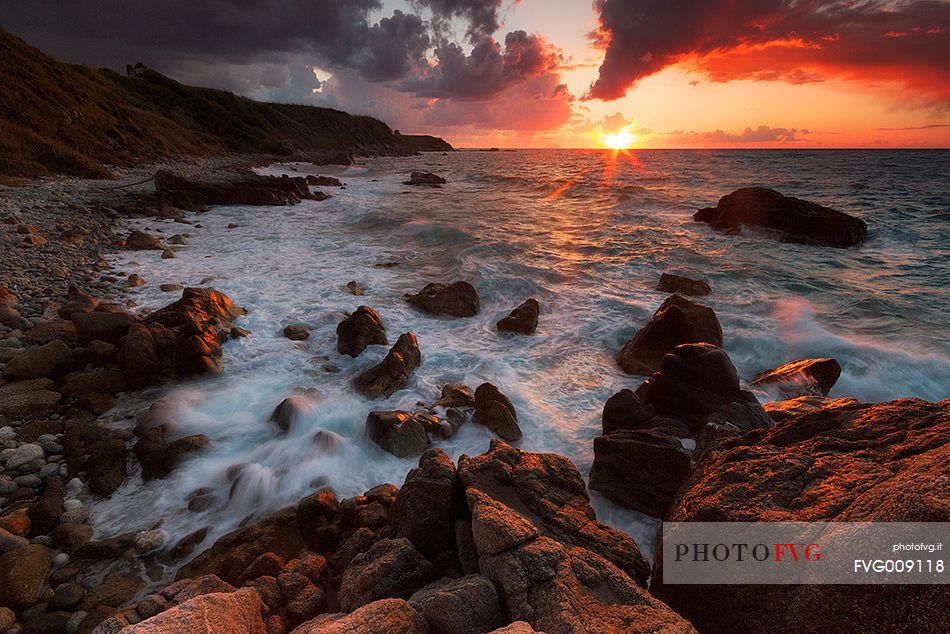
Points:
point(70, 119)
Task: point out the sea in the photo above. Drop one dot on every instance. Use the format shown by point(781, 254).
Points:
point(588, 234)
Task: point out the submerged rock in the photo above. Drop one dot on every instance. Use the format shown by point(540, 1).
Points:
point(393, 372)
point(427, 179)
point(297, 332)
point(523, 319)
point(672, 283)
point(363, 328)
point(495, 411)
point(806, 377)
point(676, 321)
point(794, 219)
point(458, 299)
point(140, 240)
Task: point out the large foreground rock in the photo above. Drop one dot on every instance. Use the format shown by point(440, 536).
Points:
point(425, 507)
point(844, 462)
point(239, 611)
point(40, 361)
point(244, 189)
point(393, 372)
point(391, 568)
point(549, 492)
point(458, 299)
point(468, 605)
point(22, 573)
point(388, 616)
point(675, 322)
point(794, 219)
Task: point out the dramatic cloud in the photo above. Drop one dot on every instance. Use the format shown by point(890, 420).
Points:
point(797, 41)
point(763, 134)
point(482, 15)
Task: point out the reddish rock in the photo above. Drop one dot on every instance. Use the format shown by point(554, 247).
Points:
point(102, 326)
point(675, 322)
point(495, 411)
point(239, 611)
point(363, 328)
point(402, 434)
point(468, 605)
point(22, 573)
point(40, 361)
point(806, 377)
point(425, 507)
point(390, 568)
point(842, 462)
point(140, 240)
point(388, 616)
point(458, 299)
point(393, 372)
point(523, 319)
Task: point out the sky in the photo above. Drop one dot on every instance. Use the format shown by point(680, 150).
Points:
point(548, 73)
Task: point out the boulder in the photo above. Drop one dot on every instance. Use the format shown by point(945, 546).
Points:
point(239, 611)
point(102, 326)
point(841, 462)
point(22, 573)
point(455, 395)
point(523, 319)
point(806, 377)
point(696, 381)
point(323, 181)
point(77, 301)
point(624, 410)
point(241, 189)
point(45, 514)
point(467, 605)
point(554, 586)
point(402, 434)
point(297, 332)
point(40, 361)
point(672, 283)
point(675, 322)
point(391, 568)
point(387, 616)
point(100, 380)
point(6, 297)
point(139, 240)
point(231, 555)
point(289, 409)
point(793, 219)
point(393, 372)
point(639, 469)
point(363, 328)
point(159, 453)
point(458, 299)
point(425, 507)
point(546, 495)
point(426, 179)
point(496, 411)
point(26, 404)
point(97, 450)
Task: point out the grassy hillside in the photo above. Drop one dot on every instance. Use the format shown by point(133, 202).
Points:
point(66, 118)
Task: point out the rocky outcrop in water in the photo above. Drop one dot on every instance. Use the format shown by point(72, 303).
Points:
point(672, 283)
point(363, 328)
point(841, 461)
point(677, 321)
point(246, 189)
point(523, 319)
point(404, 433)
point(495, 411)
point(458, 299)
point(393, 372)
point(806, 377)
point(425, 179)
point(793, 219)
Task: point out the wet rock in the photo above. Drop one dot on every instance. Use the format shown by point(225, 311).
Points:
point(33, 403)
point(239, 611)
point(354, 288)
point(455, 395)
point(425, 507)
point(388, 616)
point(243, 189)
point(696, 381)
point(300, 583)
point(363, 328)
point(134, 280)
point(289, 409)
point(22, 573)
point(426, 179)
point(624, 410)
point(391, 568)
point(67, 597)
point(672, 283)
point(523, 319)
point(115, 590)
point(458, 299)
point(323, 181)
point(496, 412)
point(45, 514)
point(102, 326)
point(99, 451)
point(168, 254)
point(675, 322)
point(159, 454)
point(23, 455)
point(639, 469)
point(468, 605)
point(71, 537)
point(170, 288)
point(99, 380)
point(316, 515)
point(297, 332)
point(545, 494)
point(39, 361)
point(230, 556)
point(842, 462)
point(77, 301)
point(140, 240)
point(793, 219)
point(393, 372)
point(402, 434)
point(806, 377)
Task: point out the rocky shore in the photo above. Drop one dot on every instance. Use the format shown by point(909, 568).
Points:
point(504, 541)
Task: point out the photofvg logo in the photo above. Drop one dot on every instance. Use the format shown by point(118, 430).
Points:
point(804, 552)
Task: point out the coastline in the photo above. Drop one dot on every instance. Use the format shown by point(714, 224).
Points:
point(342, 523)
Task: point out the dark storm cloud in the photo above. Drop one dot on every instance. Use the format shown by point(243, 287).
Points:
point(789, 40)
point(482, 15)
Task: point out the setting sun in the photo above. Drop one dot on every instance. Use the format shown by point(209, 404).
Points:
point(620, 140)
